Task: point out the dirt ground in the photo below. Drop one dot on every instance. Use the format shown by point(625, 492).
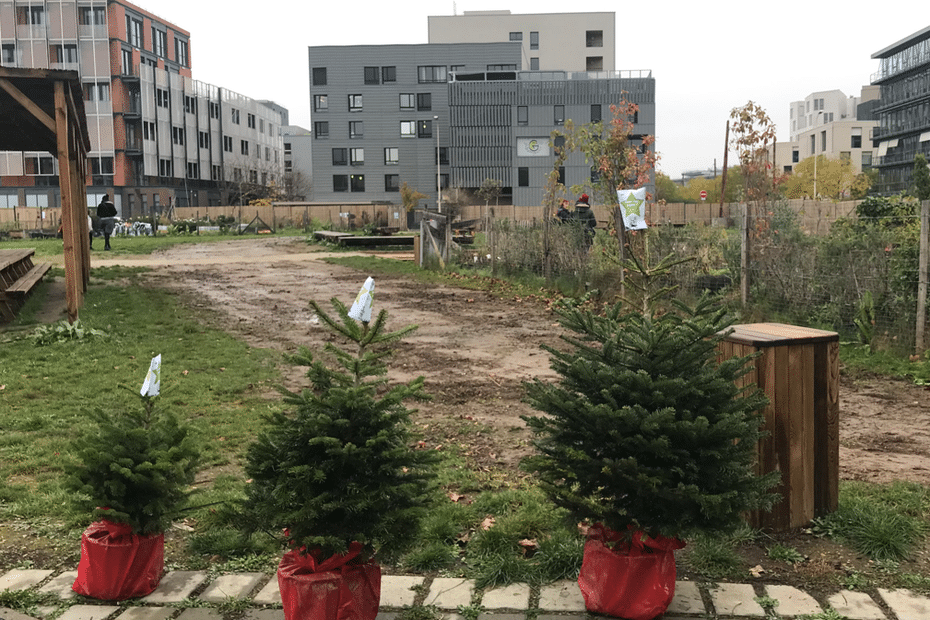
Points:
point(475, 350)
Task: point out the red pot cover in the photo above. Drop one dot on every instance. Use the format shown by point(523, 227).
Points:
point(635, 581)
point(116, 564)
point(332, 589)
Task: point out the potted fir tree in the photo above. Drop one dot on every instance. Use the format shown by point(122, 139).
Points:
point(133, 472)
point(340, 474)
point(647, 438)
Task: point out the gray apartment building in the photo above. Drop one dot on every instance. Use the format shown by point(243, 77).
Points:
point(451, 114)
point(903, 110)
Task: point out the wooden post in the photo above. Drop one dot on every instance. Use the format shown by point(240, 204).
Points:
point(919, 346)
point(74, 229)
point(744, 256)
point(493, 234)
point(723, 182)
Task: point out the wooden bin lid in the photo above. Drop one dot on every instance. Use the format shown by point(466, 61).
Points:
point(775, 334)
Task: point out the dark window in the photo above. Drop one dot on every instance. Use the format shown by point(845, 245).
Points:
point(595, 112)
point(795, 157)
point(534, 64)
point(516, 36)
point(340, 157)
point(431, 73)
point(523, 115)
point(425, 129)
point(594, 38)
point(534, 40)
point(523, 177)
point(424, 101)
point(388, 74)
point(355, 103)
point(558, 114)
point(244, 147)
point(787, 169)
point(502, 67)
point(340, 183)
point(371, 75)
point(319, 76)
point(321, 129)
point(392, 182)
point(594, 63)
point(856, 142)
point(320, 103)
point(562, 175)
point(443, 156)
point(357, 182)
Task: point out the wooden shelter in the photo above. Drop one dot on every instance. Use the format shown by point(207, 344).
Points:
point(43, 110)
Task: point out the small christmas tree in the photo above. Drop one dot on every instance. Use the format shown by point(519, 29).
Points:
point(342, 468)
point(645, 430)
point(135, 467)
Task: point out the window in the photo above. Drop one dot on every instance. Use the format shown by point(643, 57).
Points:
point(407, 101)
point(92, 16)
point(267, 153)
point(502, 67)
point(234, 114)
point(161, 97)
point(596, 113)
point(180, 51)
point(594, 38)
point(562, 175)
point(64, 53)
point(320, 103)
point(30, 15)
point(408, 129)
point(287, 148)
point(534, 40)
point(425, 129)
point(392, 182)
point(215, 173)
point(813, 144)
point(227, 144)
point(214, 109)
point(356, 130)
point(388, 74)
point(357, 157)
point(319, 76)
point(340, 157)
point(250, 120)
point(391, 156)
point(244, 147)
point(516, 36)
point(845, 155)
point(371, 75)
point(444, 181)
point(856, 138)
point(823, 140)
point(795, 156)
point(159, 42)
point(193, 170)
point(100, 91)
point(148, 131)
point(424, 101)
point(253, 176)
point(523, 115)
point(457, 68)
point(9, 54)
point(177, 135)
point(534, 64)
point(866, 160)
point(787, 169)
point(261, 126)
point(558, 114)
point(164, 167)
point(594, 63)
point(355, 103)
point(340, 183)
point(190, 104)
point(134, 31)
point(321, 129)
point(203, 140)
point(357, 182)
point(443, 155)
point(431, 73)
point(523, 177)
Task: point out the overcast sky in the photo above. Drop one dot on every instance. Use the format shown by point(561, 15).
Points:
point(706, 57)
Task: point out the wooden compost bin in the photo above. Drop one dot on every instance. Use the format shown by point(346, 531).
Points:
point(798, 369)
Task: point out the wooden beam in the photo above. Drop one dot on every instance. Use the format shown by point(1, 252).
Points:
point(28, 104)
point(73, 227)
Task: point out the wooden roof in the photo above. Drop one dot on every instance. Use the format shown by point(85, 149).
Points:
point(27, 108)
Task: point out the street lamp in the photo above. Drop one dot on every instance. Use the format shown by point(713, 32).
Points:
point(438, 174)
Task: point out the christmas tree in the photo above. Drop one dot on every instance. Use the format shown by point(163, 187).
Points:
point(645, 430)
point(342, 467)
point(135, 467)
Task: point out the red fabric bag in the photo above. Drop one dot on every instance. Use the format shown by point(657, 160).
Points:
point(333, 589)
point(634, 580)
point(116, 564)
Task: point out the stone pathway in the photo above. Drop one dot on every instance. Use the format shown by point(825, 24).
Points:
point(196, 595)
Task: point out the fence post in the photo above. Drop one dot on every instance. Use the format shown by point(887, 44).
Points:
point(493, 233)
point(922, 277)
point(744, 256)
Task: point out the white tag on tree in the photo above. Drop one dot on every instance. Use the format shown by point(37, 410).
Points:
point(633, 204)
point(361, 309)
point(152, 381)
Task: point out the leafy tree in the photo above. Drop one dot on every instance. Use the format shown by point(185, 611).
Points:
point(667, 189)
point(835, 178)
point(342, 467)
point(921, 177)
point(410, 197)
point(752, 132)
point(692, 191)
point(490, 190)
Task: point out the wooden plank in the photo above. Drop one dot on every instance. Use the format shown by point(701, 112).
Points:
point(826, 428)
point(801, 435)
point(73, 248)
point(28, 104)
point(28, 280)
point(329, 235)
point(13, 256)
point(772, 334)
point(354, 241)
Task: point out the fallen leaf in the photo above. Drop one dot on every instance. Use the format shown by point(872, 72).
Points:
point(488, 523)
point(583, 528)
point(454, 496)
point(222, 369)
point(756, 571)
point(529, 543)
point(184, 372)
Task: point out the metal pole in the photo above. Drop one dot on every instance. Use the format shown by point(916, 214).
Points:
point(438, 173)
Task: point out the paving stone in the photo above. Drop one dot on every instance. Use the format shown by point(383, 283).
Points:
point(792, 602)
point(450, 592)
point(60, 585)
point(265, 614)
point(238, 585)
point(736, 599)
point(146, 613)
point(200, 613)
point(561, 596)
point(23, 579)
point(513, 596)
point(9, 614)
point(505, 616)
point(396, 590)
point(905, 604)
point(270, 594)
point(88, 612)
point(387, 615)
point(856, 606)
point(176, 586)
point(687, 599)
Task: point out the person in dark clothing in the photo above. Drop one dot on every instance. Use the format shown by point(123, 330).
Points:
point(563, 213)
point(106, 211)
point(585, 217)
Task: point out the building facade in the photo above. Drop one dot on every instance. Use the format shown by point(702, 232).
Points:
point(548, 41)
point(158, 137)
point(903, 110)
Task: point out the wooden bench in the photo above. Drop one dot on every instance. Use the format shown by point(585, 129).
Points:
point(329, 235)
point(353, 241)
point(18, 277)
point(28, 281)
